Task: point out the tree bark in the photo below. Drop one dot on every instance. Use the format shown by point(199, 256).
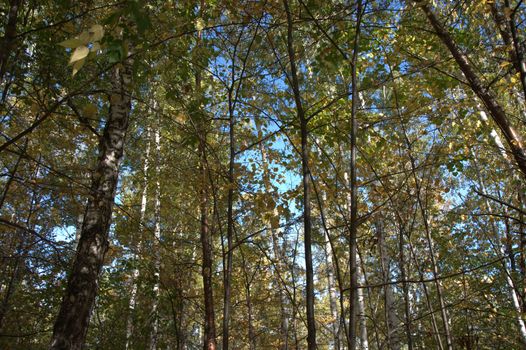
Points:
point(393, 340)
point(362, 317)
point(307, 224)
point(73, 318)
point(9, 36)
point(230, 218)
point(279, 266)
point(135, 273)
point(353, 297)
point(154, 316)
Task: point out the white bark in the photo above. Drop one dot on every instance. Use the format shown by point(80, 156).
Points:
point(156, 246)
point(135, 273)
point(364, 342)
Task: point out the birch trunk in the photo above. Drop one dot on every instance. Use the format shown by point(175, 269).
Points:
point(73, 318)
point(138, 248)
point(362, 317)
point(156, 245)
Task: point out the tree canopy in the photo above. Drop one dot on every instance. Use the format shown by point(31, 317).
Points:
point(270, 174)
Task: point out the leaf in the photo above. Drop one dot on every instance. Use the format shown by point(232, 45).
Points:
point(84, 37)
point(96, 32)
point(80, 53)
point(71, 43)
point(199, 24)
point(78, 65)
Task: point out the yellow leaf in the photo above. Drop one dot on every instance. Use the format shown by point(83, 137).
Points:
point(80, 53)
point(96, 32)
point(199, 24)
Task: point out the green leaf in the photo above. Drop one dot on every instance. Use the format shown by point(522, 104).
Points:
point(78, 65)
point(71, 43)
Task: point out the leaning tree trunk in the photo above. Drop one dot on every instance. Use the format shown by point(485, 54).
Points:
point(73, 318)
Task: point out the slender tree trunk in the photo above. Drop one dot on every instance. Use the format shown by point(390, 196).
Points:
point(434, 324)
point(405, 288)
point(486, 96)
point(73, 318)
point(12, 174)
point(154, 315)
point(307, 225)
point(230, 221)
point(9, 36)
point(209, 341)
point(278, 255)
point(353, 297)
point(362, 317)
point(522, 247)
point(332, 294)
point(138, 247)
point(21, 252)
point(250, 312)
point(514, 292)
point(393, 340)
point(508, 31)
point(429, 240)
point(206, 243)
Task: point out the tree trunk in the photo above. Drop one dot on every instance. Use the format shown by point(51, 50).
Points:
point(230, 221)
point(389, 302)
point(154, 316)
point(138, 247)
point(353, 245)
point(9, 36)
point(332, 294)
point(405, 288)
point(206, 243)
point(73, 318)
point(279, 266)
point(209, 341)
point(307, 224)
point(362, 317)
